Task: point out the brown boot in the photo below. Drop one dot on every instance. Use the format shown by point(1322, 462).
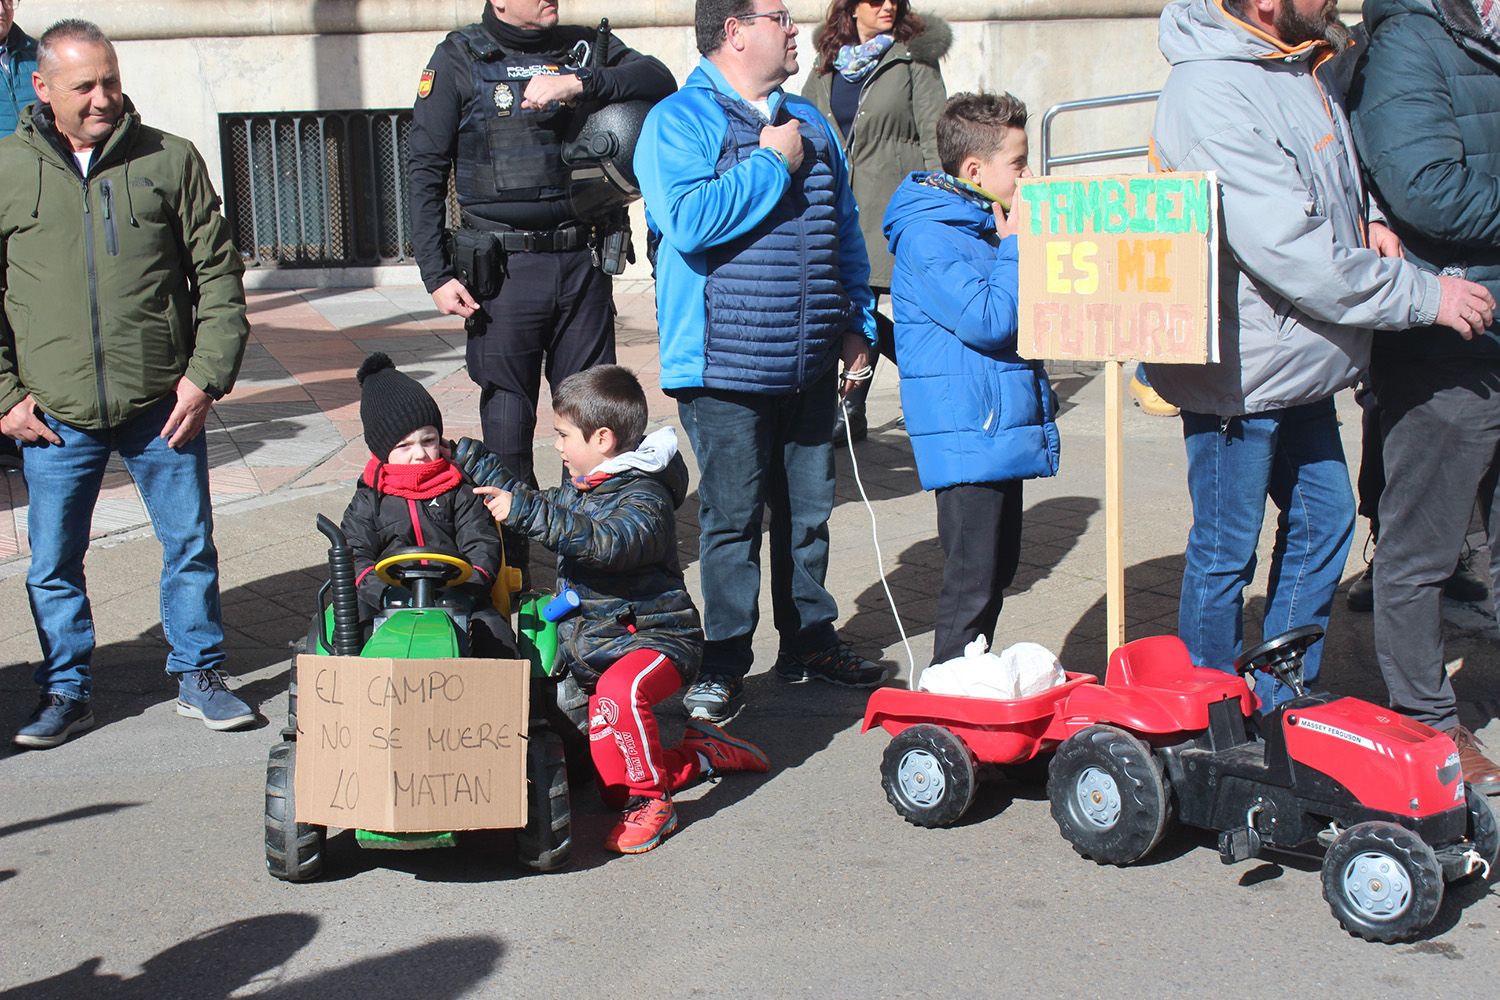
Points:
point(1479, 770)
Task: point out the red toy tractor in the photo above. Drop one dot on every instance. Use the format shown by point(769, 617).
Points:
point(1381, 794)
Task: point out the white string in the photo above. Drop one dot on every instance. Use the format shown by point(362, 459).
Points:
point(861, 375)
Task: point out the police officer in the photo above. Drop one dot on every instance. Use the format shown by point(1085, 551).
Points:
point(497, 105)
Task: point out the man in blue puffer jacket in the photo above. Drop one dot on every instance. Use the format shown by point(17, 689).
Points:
point(981, 418)
point(762, 287)
point(1425, 110)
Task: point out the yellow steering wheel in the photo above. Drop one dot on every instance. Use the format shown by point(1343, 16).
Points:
point(458, 569)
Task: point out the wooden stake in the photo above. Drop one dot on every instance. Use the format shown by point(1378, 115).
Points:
point(1114, 509)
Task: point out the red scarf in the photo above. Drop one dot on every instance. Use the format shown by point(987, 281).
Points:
point(421, 481)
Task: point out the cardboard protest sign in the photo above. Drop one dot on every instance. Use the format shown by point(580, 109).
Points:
point(411, 746)
point(1119, 267)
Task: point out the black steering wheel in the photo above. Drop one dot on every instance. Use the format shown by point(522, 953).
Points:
point(1281, 657)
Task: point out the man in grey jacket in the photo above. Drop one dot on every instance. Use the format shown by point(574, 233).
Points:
point(1305, 274)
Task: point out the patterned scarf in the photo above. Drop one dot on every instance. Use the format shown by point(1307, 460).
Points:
point(953, 185)
point(1489, 17)
point(854, 62)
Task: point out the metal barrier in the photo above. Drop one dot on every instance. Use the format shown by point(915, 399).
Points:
point(319, 189)
point(1094, 156)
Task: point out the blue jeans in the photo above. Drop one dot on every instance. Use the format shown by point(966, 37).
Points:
point(63, 483)
point(1293, 456)
point(756, 451)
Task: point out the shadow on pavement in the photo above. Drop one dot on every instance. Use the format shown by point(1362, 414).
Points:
point(1066, 385)
point(479, 857)
point(83, 812)
point(260, 620)
point(223, 961)
point(1050, 530)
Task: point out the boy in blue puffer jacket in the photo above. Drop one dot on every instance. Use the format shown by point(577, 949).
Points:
point(636, 637)
point(981, 418)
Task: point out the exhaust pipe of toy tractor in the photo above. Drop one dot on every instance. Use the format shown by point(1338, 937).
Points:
point(348, 637)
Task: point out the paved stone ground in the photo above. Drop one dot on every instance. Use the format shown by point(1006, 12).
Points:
point(131, 861)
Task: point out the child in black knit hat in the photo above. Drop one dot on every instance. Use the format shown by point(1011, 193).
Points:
point(411, 495)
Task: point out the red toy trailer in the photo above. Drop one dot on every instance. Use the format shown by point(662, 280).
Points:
point(1382, 794)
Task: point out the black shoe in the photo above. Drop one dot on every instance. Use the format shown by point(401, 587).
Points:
point(56, 718)
point(1362, 591)
point(838, 664)
point(1465, 585)
point(856, 426)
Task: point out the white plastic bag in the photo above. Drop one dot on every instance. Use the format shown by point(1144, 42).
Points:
point(1020, 671)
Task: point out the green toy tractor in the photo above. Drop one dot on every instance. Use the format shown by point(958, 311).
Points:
point(420, 624)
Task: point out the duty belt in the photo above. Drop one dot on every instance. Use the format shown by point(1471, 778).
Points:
point(563, 238)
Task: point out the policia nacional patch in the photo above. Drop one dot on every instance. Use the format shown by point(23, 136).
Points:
point(424, 86)
point(505, 99)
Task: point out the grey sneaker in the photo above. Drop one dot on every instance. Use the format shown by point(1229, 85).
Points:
point(838, 664)
point(201, 694)
point(714, 697)
point(56, 718)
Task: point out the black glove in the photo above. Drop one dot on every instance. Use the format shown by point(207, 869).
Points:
point(480, 466)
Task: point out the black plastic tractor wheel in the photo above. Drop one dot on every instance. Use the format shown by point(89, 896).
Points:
point(1483, 831)
point(1382, 882)
point(545, 843)
point(929, 776)
point(294, 851)
point(1108, 796)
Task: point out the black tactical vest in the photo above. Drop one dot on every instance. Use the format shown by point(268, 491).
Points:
point(506, 154)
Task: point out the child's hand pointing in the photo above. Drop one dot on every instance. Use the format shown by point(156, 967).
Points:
point(496, 501)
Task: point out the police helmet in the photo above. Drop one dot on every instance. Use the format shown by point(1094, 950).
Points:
point(599, 157)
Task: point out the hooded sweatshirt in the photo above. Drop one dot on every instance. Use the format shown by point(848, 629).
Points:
point(1425, 107)
point(1298, 290)
point(976, 411)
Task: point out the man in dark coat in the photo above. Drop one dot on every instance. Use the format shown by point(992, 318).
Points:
point(1425, 110)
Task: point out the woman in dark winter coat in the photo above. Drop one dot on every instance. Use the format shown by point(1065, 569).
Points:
point(877, 79)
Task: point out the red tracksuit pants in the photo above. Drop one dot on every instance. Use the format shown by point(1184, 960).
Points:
point(623, 736)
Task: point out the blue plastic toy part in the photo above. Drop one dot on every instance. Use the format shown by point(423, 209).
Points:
point(561, 606)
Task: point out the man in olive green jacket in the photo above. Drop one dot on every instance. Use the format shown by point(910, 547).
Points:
point(123, 319)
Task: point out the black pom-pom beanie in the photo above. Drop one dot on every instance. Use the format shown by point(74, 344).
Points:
point(392, 405)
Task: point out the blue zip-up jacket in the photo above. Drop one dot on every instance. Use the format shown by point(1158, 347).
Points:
point(16, 90)
point(759, 273)
point(976, 411)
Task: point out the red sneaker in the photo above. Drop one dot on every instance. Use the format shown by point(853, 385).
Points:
point(724, 752)
point(643, 825)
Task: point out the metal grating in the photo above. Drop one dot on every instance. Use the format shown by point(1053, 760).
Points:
point(319, 189)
